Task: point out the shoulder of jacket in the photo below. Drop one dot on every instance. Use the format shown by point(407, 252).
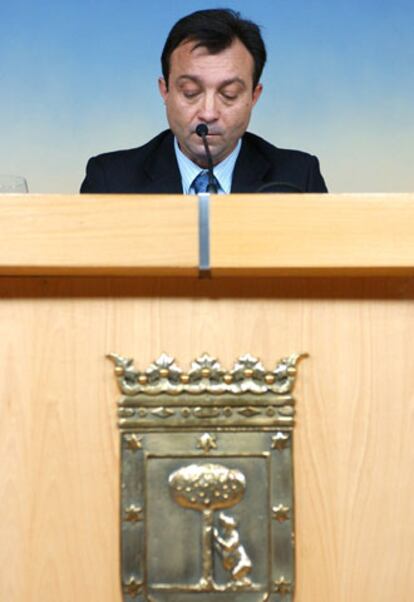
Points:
point(133, 153)
point(270, 150)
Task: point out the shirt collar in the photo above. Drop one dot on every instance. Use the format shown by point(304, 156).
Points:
point(223, 171)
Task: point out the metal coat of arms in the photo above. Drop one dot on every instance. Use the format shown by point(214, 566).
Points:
point(207, 484)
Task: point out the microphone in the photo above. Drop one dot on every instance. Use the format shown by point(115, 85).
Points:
point(202, 131)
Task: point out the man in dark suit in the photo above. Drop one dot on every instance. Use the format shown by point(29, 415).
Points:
point(212, 62)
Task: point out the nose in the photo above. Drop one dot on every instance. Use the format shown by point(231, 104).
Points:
point(208, 110)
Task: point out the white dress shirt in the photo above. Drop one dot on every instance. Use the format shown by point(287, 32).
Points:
point(222, 171)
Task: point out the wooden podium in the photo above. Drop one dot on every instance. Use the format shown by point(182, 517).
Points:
point(330, 275)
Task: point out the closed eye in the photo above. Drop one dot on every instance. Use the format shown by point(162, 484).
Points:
point(191, 93)
point(229, 96)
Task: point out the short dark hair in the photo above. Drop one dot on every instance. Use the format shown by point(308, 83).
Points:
point(216, 29)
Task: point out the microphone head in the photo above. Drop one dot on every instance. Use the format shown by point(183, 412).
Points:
point(201, 130)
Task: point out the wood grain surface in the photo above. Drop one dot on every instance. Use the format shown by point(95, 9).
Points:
point(299, 234)
point(354, 452)
point(256, 235)
point(98, 234)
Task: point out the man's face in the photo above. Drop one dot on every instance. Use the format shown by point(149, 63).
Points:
point(215, 89)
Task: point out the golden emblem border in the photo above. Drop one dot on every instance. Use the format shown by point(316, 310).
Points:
point(206, 404)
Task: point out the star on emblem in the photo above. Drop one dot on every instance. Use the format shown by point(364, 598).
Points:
point(282, 587)
point(133, 442)
point(280, 441)
point(133, 514)
point(133, 587)
point(280, 513)
point(207, 442)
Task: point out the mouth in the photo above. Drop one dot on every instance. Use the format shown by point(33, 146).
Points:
point(209, 135)
point(211, 139)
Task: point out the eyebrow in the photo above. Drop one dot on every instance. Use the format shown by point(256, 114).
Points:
point(233, 80)
point(227, 82)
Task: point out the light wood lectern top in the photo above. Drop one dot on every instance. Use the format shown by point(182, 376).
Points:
point(330, 275)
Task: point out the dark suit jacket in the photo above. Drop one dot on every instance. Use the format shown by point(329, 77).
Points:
point(153, 168)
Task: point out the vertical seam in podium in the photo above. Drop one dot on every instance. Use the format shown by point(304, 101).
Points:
point(204, 234)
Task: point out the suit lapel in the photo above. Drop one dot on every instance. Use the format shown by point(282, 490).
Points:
point(162, 169)
point(163, 174)
point(250, 169)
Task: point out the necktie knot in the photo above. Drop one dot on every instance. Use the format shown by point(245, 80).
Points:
point(200, 182)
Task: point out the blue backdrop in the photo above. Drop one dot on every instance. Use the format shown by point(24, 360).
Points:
point(80, 77)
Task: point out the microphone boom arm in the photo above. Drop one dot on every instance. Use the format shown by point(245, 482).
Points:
point(202, 131)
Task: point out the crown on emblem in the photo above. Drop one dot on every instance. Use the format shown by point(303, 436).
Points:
point(206, 375)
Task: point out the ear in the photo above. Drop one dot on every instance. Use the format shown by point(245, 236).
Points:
point(257, 93)
point(162, 86)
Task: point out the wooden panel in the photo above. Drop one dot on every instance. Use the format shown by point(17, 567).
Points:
point(250, 234)
point(312, 234)
point(87, 234)
point(354, 455)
